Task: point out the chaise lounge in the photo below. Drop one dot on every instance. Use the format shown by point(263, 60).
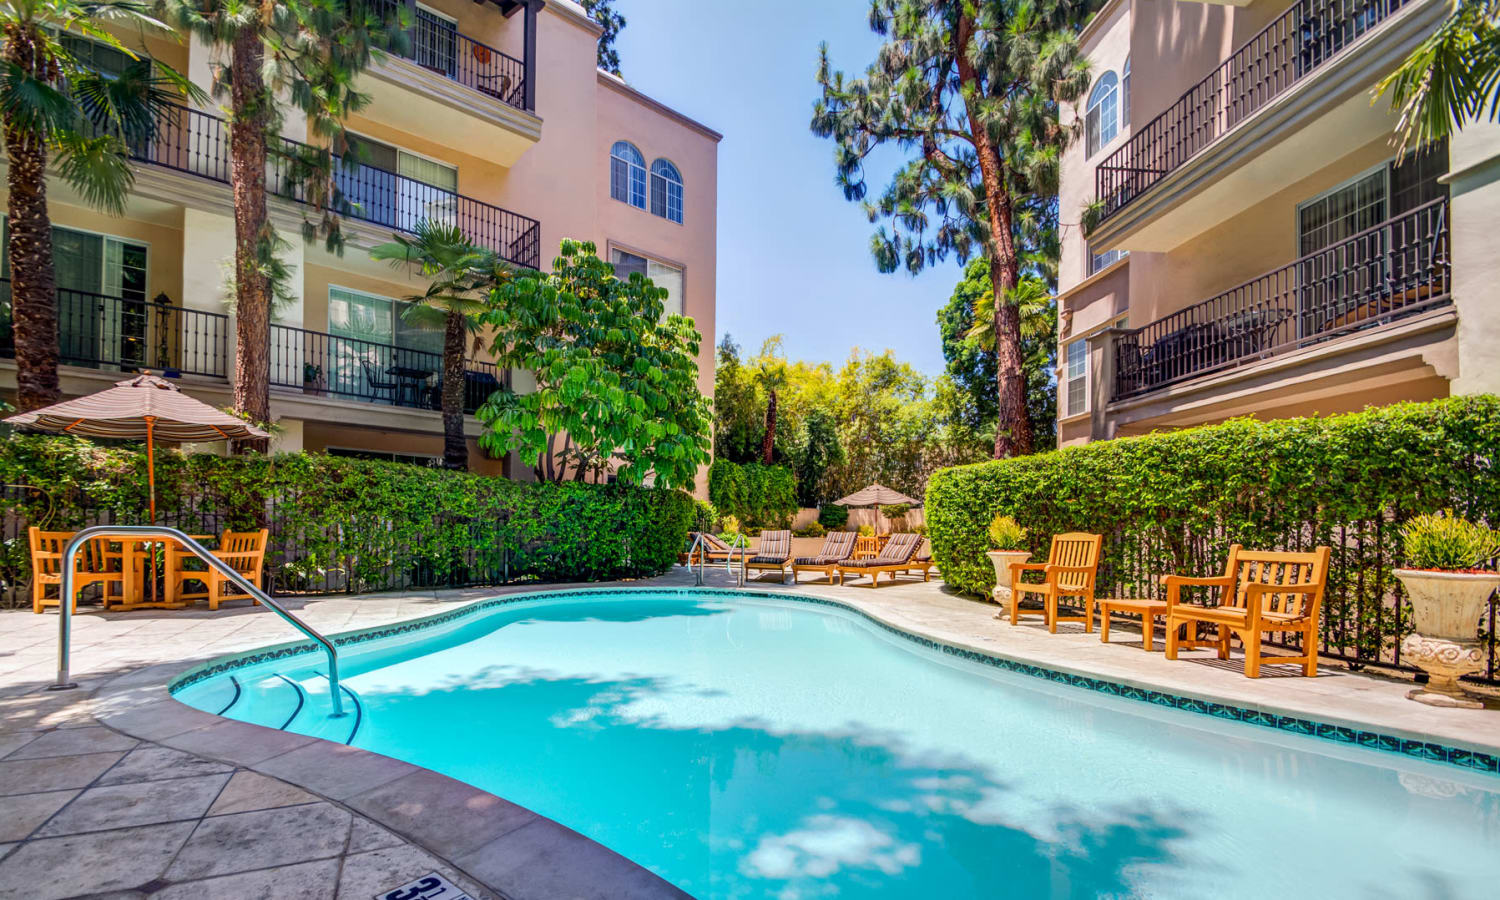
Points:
point(894, 557)
point(773, 554)
point(837, 547)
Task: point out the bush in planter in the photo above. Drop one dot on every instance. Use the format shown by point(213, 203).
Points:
point(1006, 533)
point(833, 517)
point(1446, 543)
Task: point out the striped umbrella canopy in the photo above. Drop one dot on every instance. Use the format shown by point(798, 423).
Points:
point(877, 495)
point(141, 408)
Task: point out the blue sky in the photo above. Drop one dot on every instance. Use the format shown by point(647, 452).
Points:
point(794, 255)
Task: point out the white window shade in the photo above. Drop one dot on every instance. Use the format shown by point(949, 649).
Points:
point(1078, 377)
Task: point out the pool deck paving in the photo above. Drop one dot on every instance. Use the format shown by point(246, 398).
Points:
point(116, 789)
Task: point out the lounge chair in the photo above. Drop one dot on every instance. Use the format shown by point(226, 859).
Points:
point(1068, 572)
point(837, 547)
point(922, 562)
point(774, 553)
point(714, 550)
point(895, 557)
point(1259, 592)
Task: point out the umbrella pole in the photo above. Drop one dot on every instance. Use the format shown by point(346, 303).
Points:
point(151, 464)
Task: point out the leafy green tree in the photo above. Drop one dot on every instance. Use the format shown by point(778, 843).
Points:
point(1450, 79)
point(737, 407)
point(612, 23)
point(310, 52)
point(460, 276)
point(969, 90)
point(965, 325)
point(613, 375)
point(56, 109)
point(818, 451)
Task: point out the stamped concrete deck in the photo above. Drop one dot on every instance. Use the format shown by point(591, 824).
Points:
point(116, 789)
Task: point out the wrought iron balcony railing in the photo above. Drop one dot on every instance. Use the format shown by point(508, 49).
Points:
point(1286, 51)
point(1395, 269)
point(197, 143)
point(438, 46)
point(98, 331)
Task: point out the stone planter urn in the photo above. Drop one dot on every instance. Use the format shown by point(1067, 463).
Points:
point(1446, 607)
point(1001, 559)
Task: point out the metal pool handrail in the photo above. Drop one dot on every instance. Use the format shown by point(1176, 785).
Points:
point(65, 600)
point(743, 544)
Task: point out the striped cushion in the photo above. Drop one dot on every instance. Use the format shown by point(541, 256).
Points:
point(836, 547)
point(775, 546)
point(898, 550)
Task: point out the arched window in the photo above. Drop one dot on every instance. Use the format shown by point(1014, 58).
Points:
point(1102, 121)
point(666, 191)
point(627, 174)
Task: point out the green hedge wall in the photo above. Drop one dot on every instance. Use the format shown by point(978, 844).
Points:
point(346, 524)
point(1175, 501)
point(759, 496)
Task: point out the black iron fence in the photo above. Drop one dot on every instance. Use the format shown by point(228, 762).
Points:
point(353, 368)
point(1397, 268)
point(1293, 46)
point(192, 141)
point(437, 45)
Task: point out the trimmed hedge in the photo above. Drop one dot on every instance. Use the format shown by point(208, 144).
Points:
point(346, 524)
point(759, 496)
point(1175, 501)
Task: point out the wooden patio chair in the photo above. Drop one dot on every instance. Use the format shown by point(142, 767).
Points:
point(1259, 592)
point(1069, 571)
point(245, 552)
point(98, 563)
point(773, 554)
point(895, 558)
point(837, 547)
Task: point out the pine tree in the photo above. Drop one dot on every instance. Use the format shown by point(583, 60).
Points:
point(310, 52)
point(969, 90)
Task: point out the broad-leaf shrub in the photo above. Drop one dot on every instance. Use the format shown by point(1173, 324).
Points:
point(1175, 501)
point(759, 496)
point(340, 523)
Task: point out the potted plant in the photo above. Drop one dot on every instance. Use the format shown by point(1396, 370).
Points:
point(1007, 546)
point(1447, 594)
point(312, 379)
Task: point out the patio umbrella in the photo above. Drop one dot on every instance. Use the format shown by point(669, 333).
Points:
point(141, 408)
point(877, 495)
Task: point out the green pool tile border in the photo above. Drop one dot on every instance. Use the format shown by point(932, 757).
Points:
point(1429, 751)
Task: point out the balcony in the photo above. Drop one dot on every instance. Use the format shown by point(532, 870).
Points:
point(1288, 102)
point(1394, 270)
point(197, 143)
point(438, 47)
point(97, 331)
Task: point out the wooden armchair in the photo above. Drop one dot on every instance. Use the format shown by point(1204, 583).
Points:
point(98, 563)
point(244, 551)
point(1069, 571)
point(1259, 592)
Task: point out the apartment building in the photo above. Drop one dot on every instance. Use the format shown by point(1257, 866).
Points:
point(498, 120)
point(1260, 249)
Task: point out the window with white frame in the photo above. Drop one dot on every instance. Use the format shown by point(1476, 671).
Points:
point(666, 191)
point(1077, 385)
point(663, 275)
point(1102, 118)
point(627, 174)
point(1125, 95)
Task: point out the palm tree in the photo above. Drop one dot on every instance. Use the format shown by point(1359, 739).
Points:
point(460, 277)
point(309, 52)
point(54, 108)
point(1450, 79)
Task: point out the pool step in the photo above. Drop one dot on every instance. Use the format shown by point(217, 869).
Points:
point(273, 701)
point(316, 721)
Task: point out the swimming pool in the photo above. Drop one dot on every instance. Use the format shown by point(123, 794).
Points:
point(749, 746)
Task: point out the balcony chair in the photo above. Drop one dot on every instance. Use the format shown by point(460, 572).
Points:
point(1069, 571)
point(379, 385)
point(1259, 592)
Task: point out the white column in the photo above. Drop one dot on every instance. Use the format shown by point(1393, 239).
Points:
point(1473, 180)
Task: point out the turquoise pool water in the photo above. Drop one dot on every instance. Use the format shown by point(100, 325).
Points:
point(746, 747)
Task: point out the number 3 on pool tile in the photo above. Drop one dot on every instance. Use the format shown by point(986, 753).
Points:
point(431, 886)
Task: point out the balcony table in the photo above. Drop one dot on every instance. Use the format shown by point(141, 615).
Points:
point(412, 381)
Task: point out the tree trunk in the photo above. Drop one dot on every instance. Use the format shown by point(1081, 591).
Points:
point(455, 445)
point(254, 241)
point(1012, 426)
point(33, 284)
point(768, 443)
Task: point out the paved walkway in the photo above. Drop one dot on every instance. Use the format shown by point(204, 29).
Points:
point(166, 801)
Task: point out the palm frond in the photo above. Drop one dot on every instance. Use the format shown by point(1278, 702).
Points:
point(32, 105)
point(97, 167)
